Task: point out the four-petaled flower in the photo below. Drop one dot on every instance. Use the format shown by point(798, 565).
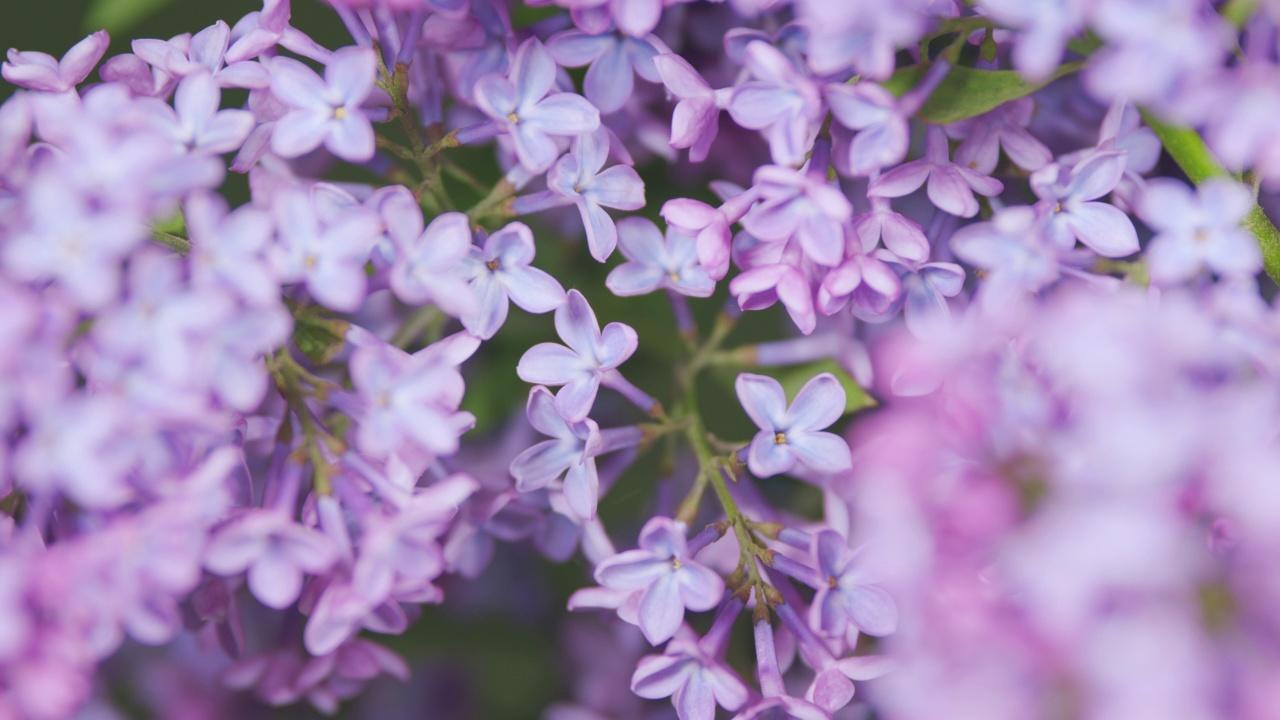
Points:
point(579, 367)
point(325, 110)
point(844, 595)
point(569, 454)
point(654, 262)
point(500, 273)
point(578, 176)
point(794, 435)
point(670, 580)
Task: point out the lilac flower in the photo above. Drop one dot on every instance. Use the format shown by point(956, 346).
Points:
point(276, 552)
point(613, 57)
point(578, 176)
point(1198, 230)
point(39, 71)
point(330, 259)
point(863, 34)
point(923, 302)
point(520, 104)
point(762, 286)
point(794, 435)
point(195, 123)
point(1004, 127)
point(782, 101)
point(691, 674)
point(866, 279)
point(901, 235)
point(227, 249)
point(1068, 196)
point(696, 118)
point(951, 186)
point(1045, 25)
point(325, 110)
point(591, 353)
point(570, 454)
point(205, 51)
point(654, 263)
point(844, 596)
point(258, 32)
point(800, 205)
point(427, 260)
point(883, 132)
point(501, 272)
point(670, 579)
point(406, 398)
point(1012, 251)
point(710, 225)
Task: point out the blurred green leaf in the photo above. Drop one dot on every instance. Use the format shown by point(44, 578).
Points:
point(967, 92)
point(793, 378)
point(116, 16)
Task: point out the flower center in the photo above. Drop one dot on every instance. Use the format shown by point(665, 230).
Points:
point(779, 438)
point(513, 118)
point(831, 581)
point(493, 264)
point(339, 113)
point(676, 564)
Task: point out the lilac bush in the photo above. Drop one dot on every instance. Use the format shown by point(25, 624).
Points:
point(952, 362)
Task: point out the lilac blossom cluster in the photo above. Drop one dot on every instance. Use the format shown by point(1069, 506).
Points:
point(244, 433)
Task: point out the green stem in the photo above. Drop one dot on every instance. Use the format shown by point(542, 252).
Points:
point(497, 202)
point(178, 244)
point(1189, 150)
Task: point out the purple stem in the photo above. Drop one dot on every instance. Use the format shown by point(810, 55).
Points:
point(409, 45)
point(639, 398)
point(798, 350)
point(797, 539)
point(713, 643)
point(699, 542)
point(684, 316)
point(820, 159)
point(479, 132)
point(388, 33)
point(795, 569)
point(619, 438)
point(767, 661)
point(358, 31)
point(814, 650)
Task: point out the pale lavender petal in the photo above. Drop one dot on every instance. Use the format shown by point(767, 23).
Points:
point(542, 463)
point(634, 278)
point(602, 235)
point(766, 457)
point(701, 588)
point(574, 48)
point(298, 133)
point(763, 399)
point(950, 193)
point(582, 488)
point(661, 610)
point(550, 364)
point(533, 290)
point(350, 71)
point(275, 581)
point(902, 180)
point(609, 80)
point(1104, 229)
point(563, 114)
point(818, 404)
point(871, 609)
point(631, 570)
point(351, 138)
point(575, 399)
point(823, 452)
point(660, 676)
point(577, 326)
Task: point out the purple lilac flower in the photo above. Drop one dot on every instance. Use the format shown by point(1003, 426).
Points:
point(580, 367)
point(923, 301)
point(1013, 251)
point(951, 186)
point(406, 398)
point(274, 550)
point(1198, 229)
point(654, 262)
point(613, 58)
point(520, 104)
point(227, 249)
point(195, 123)
point(781, 101)
point(39, 71)
point(696, 118)
point(570, 455)
point(803, 206)
point(711, 226)
point(1045, 27)
point(578, 176)
point(691, 671)
point(259, 32)
point(329, 259)
point(867, 280)
point(762, 286)
point(1068, 197)
point(669, 578)
point(844, 596)
point(205, 51)
point(1004, 127)
point(427, 260)
point(862, 34)
point(791, 435)
point(325, 111)
point(501, 273)
point(882, 130)
point(901, 235)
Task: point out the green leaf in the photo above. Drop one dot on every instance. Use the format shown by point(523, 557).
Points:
point(318, 337)
point(967, 92)
point(116, 16)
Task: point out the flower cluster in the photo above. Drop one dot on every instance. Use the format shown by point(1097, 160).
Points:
point(257, 434)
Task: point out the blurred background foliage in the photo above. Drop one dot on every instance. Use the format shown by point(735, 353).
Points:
point(496, 649)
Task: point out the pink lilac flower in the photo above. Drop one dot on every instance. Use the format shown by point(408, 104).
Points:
point(654, 262)
point(205, 51)
point(325, 110)
point(591, 355)
point(501, 273)
point(39, 71)
point(1069, 197)
point(710, 225)
point(803, 206)
point(791, 435)
point(844, 595)
point(882, 130)
point(696, 118)
point(671, 581)
point(578, 176)
point(866, 280)
point(901, 235)
point(951, 186)
point(1003, 128)
point(1198, 230)
point(520, 104)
